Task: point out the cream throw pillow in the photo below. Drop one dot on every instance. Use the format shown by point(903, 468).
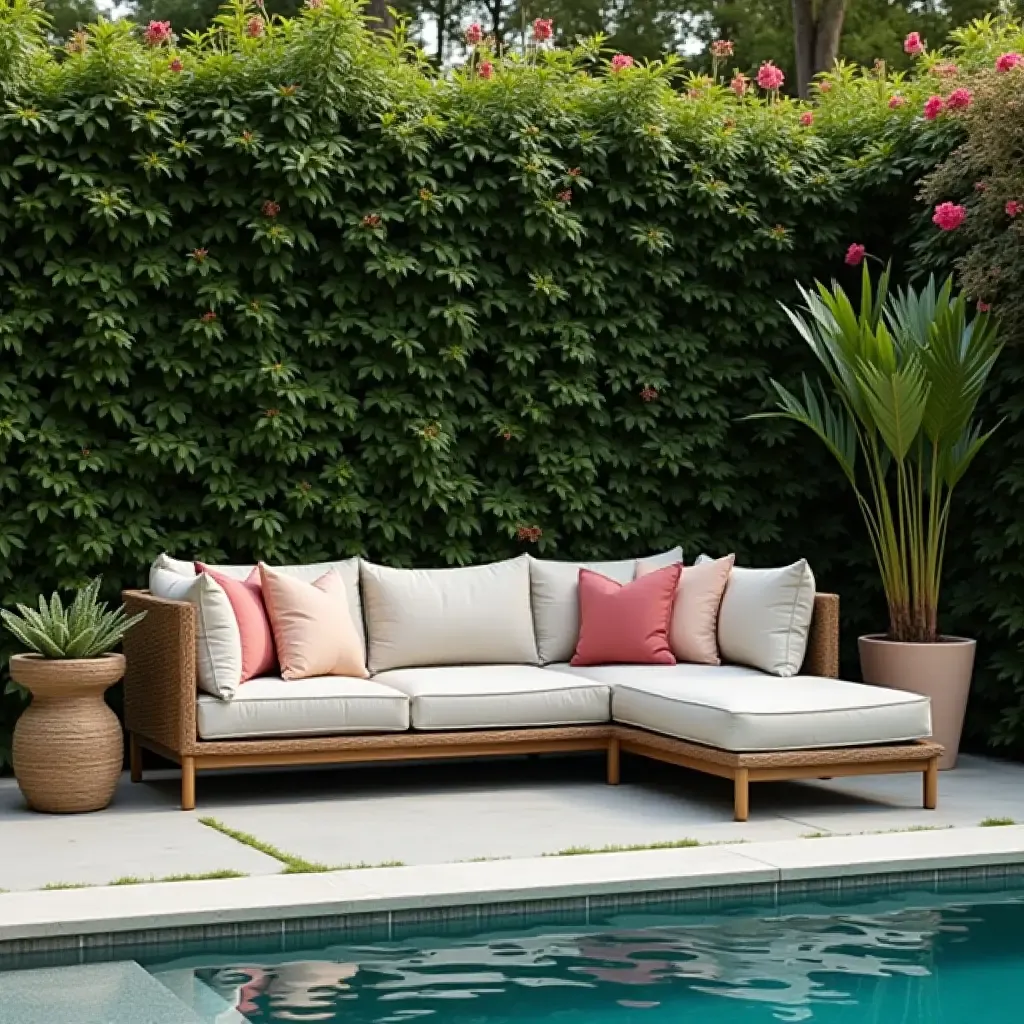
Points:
point(765, 618)
point(477, 615)
point(218, 642)
point(313, 630)
point(693, 632)
point(554, 593)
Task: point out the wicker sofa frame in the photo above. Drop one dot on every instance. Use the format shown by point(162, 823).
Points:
point(160, 715)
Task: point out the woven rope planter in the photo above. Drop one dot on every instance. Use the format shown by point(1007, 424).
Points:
point(68, 745)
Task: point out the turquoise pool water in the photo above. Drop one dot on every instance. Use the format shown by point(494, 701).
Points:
point(940, 964)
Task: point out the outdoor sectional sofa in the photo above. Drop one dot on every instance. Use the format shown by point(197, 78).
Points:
point(473, 662)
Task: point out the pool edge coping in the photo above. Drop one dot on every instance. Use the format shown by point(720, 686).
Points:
point(66, 918)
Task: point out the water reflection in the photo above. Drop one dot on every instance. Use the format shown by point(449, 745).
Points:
point(868, 969)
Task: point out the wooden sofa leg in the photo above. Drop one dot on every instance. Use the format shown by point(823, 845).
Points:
point(613, 762)
point(741, 794)
point(134, 757)
point(188, 784)
point(931, 784)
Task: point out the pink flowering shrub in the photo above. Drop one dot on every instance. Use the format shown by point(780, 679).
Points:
point(158, 33)
point(1008, 61)
point(949, 216)
point(933, 107)
point(485, 69)
point(1013, 208)
point(958, 99)
point(474, 33)
point(913, 44)
point(543, 29)
point(621, 61)
point(855, 254)
point(769, 76)
point(807, 118)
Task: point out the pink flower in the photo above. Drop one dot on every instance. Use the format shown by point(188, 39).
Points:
point(807, 119)
point(855, 254)
point(769, 76)
point(176, 65)
point(270, 208)
point(739, 84)
point(721, 48)
point(565, 196)
point(254, 27)
point(1008, 61)
point(543, 29)
point(157, 33)
point(946, 70)
point(474, 33)
point(912, 44)
point(825, 86)
point(984, 307)
point(933, 107)
point(959, 99)
point(896, 102)
point(949, 216)
point(648, 394)
point(314, 5)
point(1014, 207)
point(621, 61)
point(485, 69)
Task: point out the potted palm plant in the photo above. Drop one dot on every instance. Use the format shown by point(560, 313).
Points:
point(905, 373)
point(68, 746)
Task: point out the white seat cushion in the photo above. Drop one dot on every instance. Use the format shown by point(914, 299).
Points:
point(741, 709)
point(318, 706)
point(498, 697)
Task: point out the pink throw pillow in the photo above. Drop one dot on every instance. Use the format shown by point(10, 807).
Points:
point(246, 600)
point(626, 623)
point(313, 629)
point(693, 634)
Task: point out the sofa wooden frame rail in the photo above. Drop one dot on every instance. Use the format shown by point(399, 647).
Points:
point(160, 714)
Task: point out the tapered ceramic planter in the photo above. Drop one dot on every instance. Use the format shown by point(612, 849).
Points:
point(941, 671)
point(68, 745)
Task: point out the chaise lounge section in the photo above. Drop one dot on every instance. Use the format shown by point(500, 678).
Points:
point(731, 721)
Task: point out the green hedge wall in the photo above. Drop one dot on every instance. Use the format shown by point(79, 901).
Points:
point(284, 293)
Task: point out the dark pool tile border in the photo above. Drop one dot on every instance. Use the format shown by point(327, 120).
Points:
point(276, 936)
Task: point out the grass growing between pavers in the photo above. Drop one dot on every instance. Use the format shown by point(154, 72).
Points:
point(995, 822)
point(293, 864)
point(669, 844)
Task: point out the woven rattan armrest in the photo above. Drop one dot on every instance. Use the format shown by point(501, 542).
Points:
point(822, 657)
point(160, 679)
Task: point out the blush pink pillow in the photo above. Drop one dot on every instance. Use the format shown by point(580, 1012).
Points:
point(313, 630)
point(626, 623)
point(246, 600)
point(693, 634)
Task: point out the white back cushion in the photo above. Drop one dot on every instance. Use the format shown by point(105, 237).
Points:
point(218, 643)
point(473, 616)
point(766, 616)
point(554, 593)
point(168, 564)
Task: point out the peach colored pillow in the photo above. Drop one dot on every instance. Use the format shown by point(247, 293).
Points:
point(313, 630)
point(626, 623)
point(693, 634)
point(246, 600)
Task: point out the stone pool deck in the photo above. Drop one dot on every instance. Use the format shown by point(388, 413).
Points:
point(439, 814)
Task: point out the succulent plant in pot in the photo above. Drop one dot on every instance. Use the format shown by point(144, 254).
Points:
point(68, 745)
point(905, 374)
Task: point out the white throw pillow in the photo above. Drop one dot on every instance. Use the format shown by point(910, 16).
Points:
point(348, 570)
point(473, 616)
point(218, 643)
point(554, 593)
point(175, 565)
point(765, 618)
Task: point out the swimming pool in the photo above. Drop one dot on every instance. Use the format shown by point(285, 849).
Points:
point(945, 963)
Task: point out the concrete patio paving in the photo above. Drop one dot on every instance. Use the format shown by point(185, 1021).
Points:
point(444, 813)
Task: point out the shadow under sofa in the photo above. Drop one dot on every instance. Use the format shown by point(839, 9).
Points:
point(814, 726)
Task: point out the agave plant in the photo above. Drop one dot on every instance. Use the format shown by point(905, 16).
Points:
point(87, 629)
point(906, 373)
